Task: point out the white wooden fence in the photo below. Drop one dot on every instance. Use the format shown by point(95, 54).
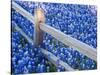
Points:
point(52, 58)
point(60, 36)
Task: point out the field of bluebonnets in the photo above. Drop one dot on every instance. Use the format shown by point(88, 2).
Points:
point(78, 21)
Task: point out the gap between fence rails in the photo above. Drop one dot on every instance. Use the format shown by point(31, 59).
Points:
point(67, 40)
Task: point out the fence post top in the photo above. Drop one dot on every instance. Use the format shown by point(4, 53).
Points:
point(39, 15)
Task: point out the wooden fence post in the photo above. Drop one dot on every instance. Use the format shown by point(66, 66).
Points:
point(39, 17)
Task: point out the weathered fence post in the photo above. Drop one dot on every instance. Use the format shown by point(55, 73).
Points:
point(39, 17)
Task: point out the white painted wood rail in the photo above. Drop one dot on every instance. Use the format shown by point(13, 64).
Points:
point(56, 61)
point(69, 41)
point(22, 11)
point(22, 33)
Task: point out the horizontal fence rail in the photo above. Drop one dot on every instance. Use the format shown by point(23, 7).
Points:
point(22, 33)
point(52, 58)
point(22, 11)
point(56, 60)
point(67, 40)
